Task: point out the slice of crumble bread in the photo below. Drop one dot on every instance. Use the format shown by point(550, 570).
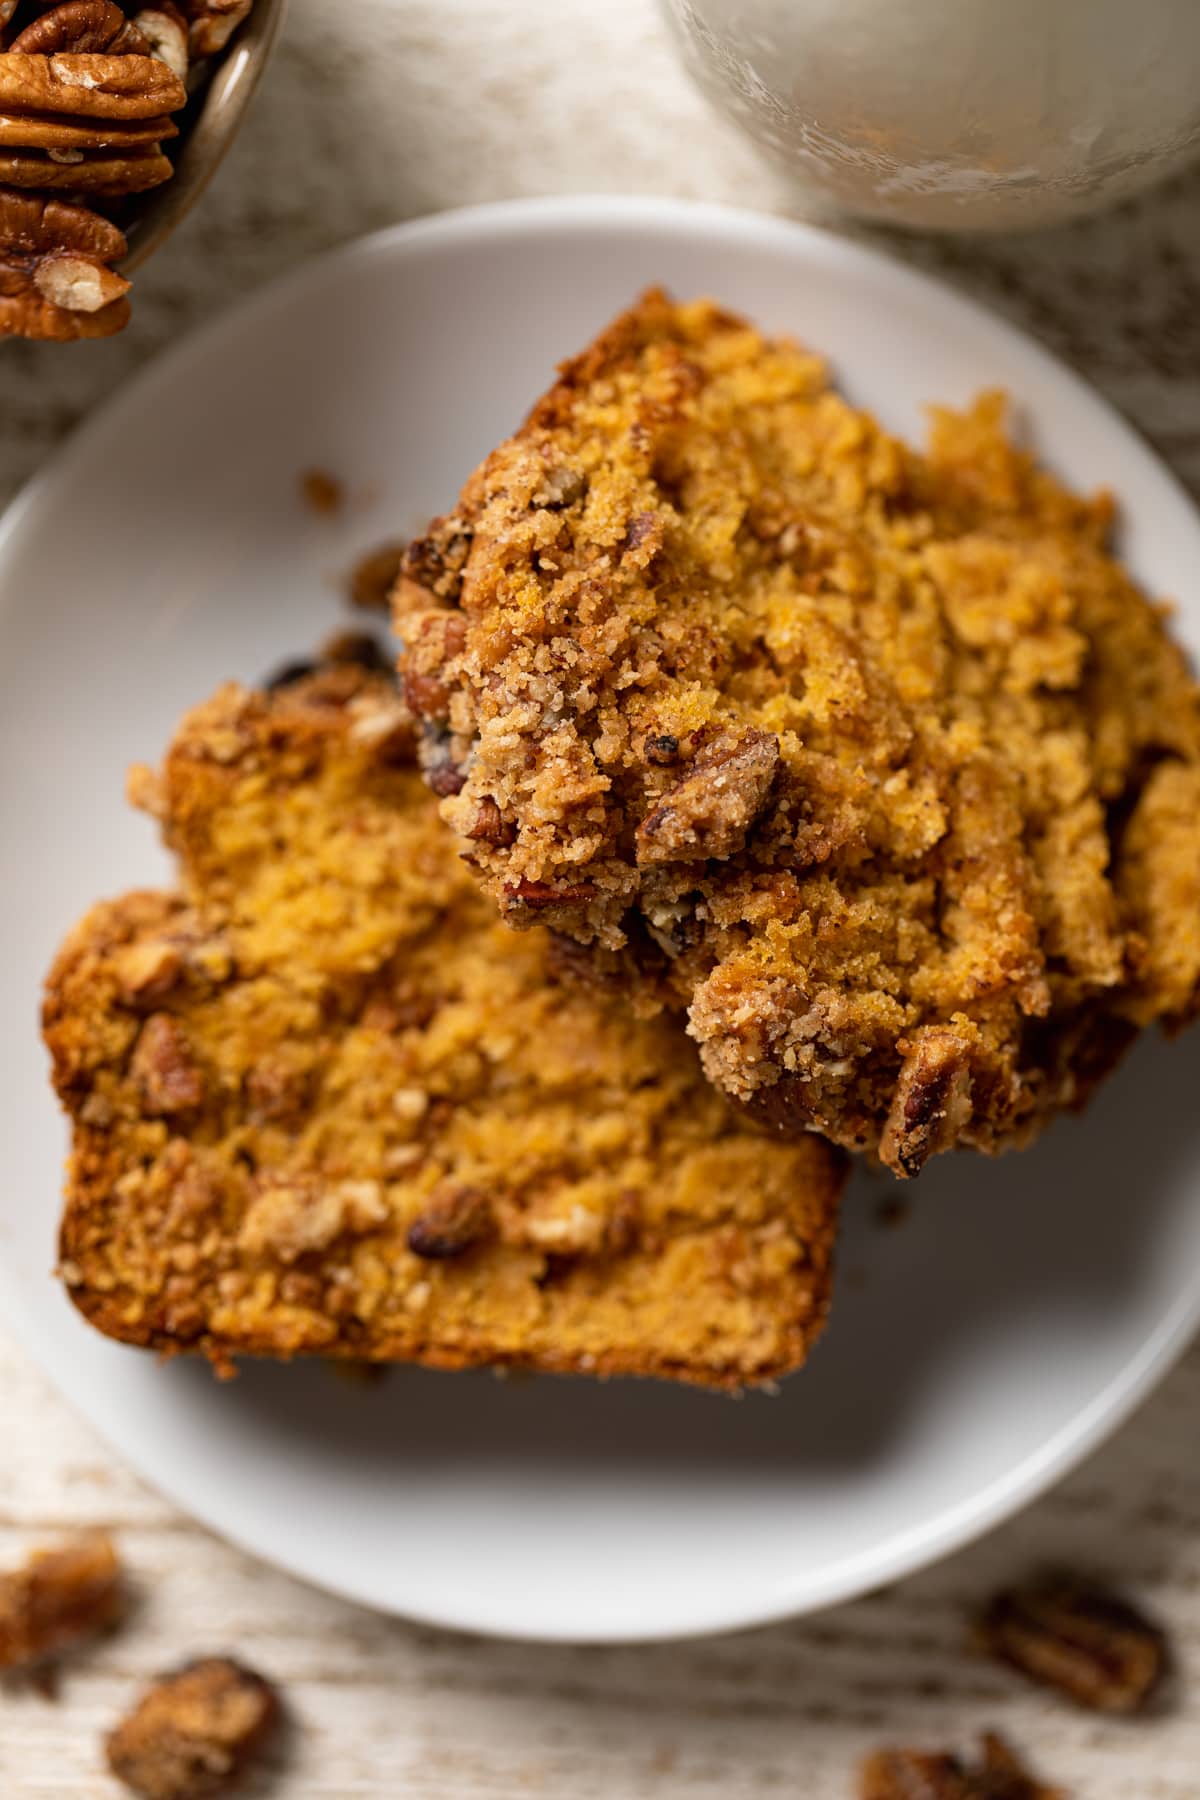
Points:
point(874, 759)
point(324, 1103)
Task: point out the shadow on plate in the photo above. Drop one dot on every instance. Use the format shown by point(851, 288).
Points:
point(995, 1260)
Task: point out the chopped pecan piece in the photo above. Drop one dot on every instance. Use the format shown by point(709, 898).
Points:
point(382, 723)
point(59, 1597)
point(278, 1091)
point(426, 697)
point(445, 778)
point(932, 1102)
point(559, 487)
point(194, 1731)
point(455, 1220)
point(490, 826)
point(147, 970)
point(164, 1068)
point(322, 493)
point(661, 748)
point(645, 533)
point(431, 640)
point(625, 1225)
point(374, 576)
point(288, 673)
point(538, 895)
point(577, 1231)
point(288, 1220)
point(1067, 1634)
point(359, 649)
point(434, 564)
point(916, 1775)
point(709, 812)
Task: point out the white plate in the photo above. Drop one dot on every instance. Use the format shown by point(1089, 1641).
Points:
point(974, 1355)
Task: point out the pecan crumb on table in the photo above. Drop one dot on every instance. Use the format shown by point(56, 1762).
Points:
point(918, 1775)
point(194, 1731)
point(1068, 1634)
point(322, 492)
point(57, 1598)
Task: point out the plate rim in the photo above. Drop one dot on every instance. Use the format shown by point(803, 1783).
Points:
point(952, 1529)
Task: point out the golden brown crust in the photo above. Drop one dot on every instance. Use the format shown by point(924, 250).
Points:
point(885, 755)
point(324, 1102)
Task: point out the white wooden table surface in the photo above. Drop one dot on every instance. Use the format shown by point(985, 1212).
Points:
point(374, 111)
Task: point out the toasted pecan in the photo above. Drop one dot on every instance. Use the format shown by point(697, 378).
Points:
point(1069, 1634)
point(194, 1731)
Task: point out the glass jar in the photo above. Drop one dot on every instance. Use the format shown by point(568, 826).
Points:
point(957, 114)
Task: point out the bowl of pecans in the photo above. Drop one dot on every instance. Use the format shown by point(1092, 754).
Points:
point(112, 120)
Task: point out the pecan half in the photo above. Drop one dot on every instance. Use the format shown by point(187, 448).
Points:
point(58, 1597)
point(1067, 1634)
point(164, 1069)
point(455, 1220)
point(194, 1731)
point(35, 308)
point(54, 276)
point(213, 22)
point(77, 26)
point(106, 173)
point(932, 1102)
point(165, 33)
point(917, 1775)
point(89, 86)
point(68, 140)
point(709, 812)
point(30, 224)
